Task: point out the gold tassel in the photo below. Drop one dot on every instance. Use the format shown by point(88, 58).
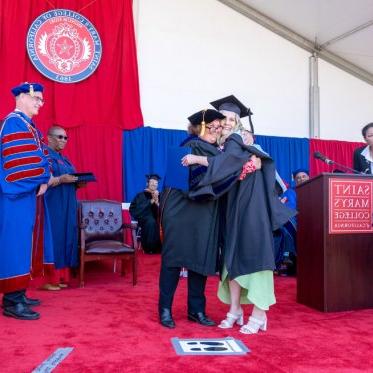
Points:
point(203, 123)
point(31, 90)
point(203, 129)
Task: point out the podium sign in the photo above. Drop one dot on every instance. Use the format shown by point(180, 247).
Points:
point(335, 242)
point(350, 206)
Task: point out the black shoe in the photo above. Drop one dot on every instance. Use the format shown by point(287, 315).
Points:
point(201, 318)
point(21, 311)
point(165, 318)
point(30, 301)
point(25, 300)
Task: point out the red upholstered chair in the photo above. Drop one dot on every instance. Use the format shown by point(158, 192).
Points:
point(103, 235)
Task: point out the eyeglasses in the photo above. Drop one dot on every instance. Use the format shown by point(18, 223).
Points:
point(60, 137)
point(36, 98)
point(214, 128)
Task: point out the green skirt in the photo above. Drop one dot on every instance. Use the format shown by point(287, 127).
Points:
point(256, 288)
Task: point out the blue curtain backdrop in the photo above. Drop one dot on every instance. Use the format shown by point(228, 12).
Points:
point(144, 152)
point(145, 149)
point(289, 153)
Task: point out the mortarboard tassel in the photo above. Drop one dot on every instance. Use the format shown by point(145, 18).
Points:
point(203, 124)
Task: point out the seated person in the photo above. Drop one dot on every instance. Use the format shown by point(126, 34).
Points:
point(300, 176)
point(144, 208)
point(285, 237)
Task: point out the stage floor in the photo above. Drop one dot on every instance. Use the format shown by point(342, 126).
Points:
point(113, 327)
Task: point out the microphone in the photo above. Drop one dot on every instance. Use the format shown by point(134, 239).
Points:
point(322, 157)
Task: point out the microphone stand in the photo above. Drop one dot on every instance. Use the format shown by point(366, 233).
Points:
point(331, 162)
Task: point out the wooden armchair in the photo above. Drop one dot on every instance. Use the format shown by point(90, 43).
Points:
point(103, 235)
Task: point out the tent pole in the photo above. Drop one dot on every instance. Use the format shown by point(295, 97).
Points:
point(314, 97)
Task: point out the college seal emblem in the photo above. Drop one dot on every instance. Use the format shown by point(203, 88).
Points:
point(64, 46)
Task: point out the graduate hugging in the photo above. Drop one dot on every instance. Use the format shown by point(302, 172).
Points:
point(224, 221)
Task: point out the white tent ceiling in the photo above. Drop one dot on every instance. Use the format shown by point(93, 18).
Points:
point(340, 30)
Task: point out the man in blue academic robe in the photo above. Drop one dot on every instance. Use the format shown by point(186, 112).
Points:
point(24, 175)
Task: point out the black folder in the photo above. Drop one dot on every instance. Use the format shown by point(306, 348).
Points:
point(84, 177)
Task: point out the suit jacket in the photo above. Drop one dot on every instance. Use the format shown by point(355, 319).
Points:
point(360, 162)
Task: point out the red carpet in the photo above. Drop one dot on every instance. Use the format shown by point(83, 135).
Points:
point(113, 327)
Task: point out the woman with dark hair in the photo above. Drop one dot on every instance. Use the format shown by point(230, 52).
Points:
point(61, 202)
point(190, 228)
point(363, 156)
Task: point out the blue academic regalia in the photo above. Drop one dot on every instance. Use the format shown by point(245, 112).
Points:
point(285, 237)
point(62, 206)
point(24, 166)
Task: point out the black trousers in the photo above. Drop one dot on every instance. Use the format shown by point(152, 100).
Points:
point(14, 297)
point(168, 280)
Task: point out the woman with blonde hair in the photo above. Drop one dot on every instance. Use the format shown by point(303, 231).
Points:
point(252, 212)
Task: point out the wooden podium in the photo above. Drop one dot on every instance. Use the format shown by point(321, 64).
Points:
point(335, 268)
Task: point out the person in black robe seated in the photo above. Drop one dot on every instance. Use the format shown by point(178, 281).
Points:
point(190, 228)
point(363, 156)
point(144, 208)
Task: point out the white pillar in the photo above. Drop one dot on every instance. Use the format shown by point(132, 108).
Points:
point(314, 98)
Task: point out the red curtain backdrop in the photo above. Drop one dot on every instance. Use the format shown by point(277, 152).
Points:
point(94, 111)
point(338, 151)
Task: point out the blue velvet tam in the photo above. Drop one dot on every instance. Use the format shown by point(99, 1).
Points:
point(27, 88)
point(300, 170)
point(205, 116)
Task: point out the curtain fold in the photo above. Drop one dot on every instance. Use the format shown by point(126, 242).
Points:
point(100, 152)
point(95, 110)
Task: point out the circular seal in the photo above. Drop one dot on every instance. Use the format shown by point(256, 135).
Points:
point(64, 46)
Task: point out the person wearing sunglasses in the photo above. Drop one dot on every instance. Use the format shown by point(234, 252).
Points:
point(61, 203)
point(24, 175)
point(190, 229)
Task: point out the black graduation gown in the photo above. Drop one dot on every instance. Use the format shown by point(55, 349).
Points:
point(146, 213)
point(252, 209)
point(190, 228)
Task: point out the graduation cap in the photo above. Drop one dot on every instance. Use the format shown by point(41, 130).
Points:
point(296, 172)
point(153, 176)
point(27, 88)
point(250, 113)
point(203, 117)
point(232, 103)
